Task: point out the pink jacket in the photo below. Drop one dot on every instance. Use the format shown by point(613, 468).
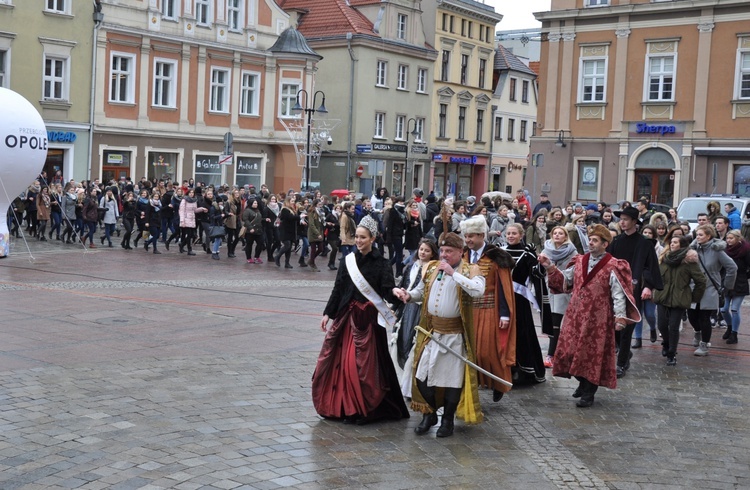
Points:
point(187, 213)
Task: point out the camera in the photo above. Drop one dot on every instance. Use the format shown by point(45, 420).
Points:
point(330, 140)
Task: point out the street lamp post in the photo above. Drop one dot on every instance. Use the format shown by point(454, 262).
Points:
point(309, 109)
point(416, 134)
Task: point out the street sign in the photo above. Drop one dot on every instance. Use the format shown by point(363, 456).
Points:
point(339, 164)
point(364, 148)
point(228, 140)
point(419, 149)
point(226, 159)
point(360, 170)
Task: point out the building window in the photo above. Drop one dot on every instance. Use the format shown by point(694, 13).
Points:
point(445, 65)
point(208, 169)
point(743, 76)
point(523, 131)
point(525, 91)
point(461, 123)
point(480, 125)
point(469, 31)
point(219, 90)
point(511, 129)
point(481, 33)
point(596, 3)
point(403, 72)
point(593, 78)
point(55, 79)
point(482, 72)
point(288, 99)
point(122, 78)
point(382, 74)
point(422, 80)
point(464, 67)
point(249, 100)
point(452, 19)
point(661, 70)
point(234, 14)
point(498, 128)
point(57, 6)
point(400, 123)
point(203, 12)
point(489, 34)
point(165, 86)
point(512, 89)
point(4, 68)
point(445, 22)
point(463, 27)
point(169, 9)
point(379, 125)
point(249, 172)
point(442, 120)
point(419, 128)
point(401, 27)
point(588, 180)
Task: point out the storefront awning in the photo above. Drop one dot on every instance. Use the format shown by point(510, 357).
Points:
point(723, 152)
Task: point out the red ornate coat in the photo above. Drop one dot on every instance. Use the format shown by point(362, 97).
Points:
point(586, 346)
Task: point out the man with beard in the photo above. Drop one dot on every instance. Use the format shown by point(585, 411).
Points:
point(494, 322)
point(601, 295)
point(640, 254)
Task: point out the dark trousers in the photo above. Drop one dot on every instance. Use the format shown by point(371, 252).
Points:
point(285, 250)
point(334, 251)
point(315, 249)
point(669, 326)
point(626, 335)
point(586, 387)
point(128, 225)
point(556, 322)
point(186, 238)
point(251, 240)
point(398, 256)
point(701, 322)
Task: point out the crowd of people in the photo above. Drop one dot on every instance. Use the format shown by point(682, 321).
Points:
point(497, 269)
point(478, 277)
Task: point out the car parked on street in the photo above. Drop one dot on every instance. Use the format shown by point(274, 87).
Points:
point(690, 206)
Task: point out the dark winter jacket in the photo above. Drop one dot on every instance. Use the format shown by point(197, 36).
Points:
point(677, 279)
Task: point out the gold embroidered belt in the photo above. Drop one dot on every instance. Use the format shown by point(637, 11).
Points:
point(446, 325)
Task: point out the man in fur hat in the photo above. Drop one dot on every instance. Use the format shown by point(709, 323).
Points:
point(601, 303)
point(447, 290)
point(494, 312)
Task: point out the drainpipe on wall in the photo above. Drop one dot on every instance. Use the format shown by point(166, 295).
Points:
point(490, 178)
point(98, 18)
point(351, 110)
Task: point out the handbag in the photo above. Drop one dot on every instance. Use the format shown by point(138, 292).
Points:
point(719, 289)
point(146, 235)
point(216, 231)
point(243, 230)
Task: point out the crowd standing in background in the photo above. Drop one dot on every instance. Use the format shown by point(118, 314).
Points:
point(679, 276)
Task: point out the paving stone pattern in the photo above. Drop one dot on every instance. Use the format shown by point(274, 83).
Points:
point(113, 376)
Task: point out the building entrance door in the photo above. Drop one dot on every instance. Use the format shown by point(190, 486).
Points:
point(657, 186)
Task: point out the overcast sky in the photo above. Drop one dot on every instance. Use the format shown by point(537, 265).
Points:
point(517, 14)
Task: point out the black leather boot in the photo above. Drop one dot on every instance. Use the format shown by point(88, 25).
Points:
point(587, 397)
point(452, 397)
point(727, 334)
point(428, 420)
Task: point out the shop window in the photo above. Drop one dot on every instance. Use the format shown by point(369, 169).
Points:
point(249, 172)
point(115, 165)
point(741, 183)
point(162, 165)
point(588, 180)
point(208, 170)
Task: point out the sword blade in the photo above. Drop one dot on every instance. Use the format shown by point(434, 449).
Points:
point(465, 360)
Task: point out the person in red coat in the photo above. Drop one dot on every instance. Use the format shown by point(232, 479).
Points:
point(601, 303)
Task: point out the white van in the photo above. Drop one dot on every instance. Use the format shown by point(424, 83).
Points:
point(690, 206)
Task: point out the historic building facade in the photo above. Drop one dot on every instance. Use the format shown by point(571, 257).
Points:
point(376, 72)
point(173, 77)
point(464, 36)
point(625, 113)
point(45, 55)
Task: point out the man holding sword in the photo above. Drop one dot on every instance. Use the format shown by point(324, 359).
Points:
point(447, 292)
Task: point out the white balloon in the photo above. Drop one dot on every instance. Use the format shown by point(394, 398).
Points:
point(23, 151)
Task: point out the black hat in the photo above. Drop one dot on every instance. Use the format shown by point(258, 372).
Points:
point(630, 212)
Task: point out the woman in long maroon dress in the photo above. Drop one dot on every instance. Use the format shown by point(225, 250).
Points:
point(354, 379)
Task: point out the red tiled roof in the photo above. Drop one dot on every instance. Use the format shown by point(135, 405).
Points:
point(535, 65)
point(322, 18)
